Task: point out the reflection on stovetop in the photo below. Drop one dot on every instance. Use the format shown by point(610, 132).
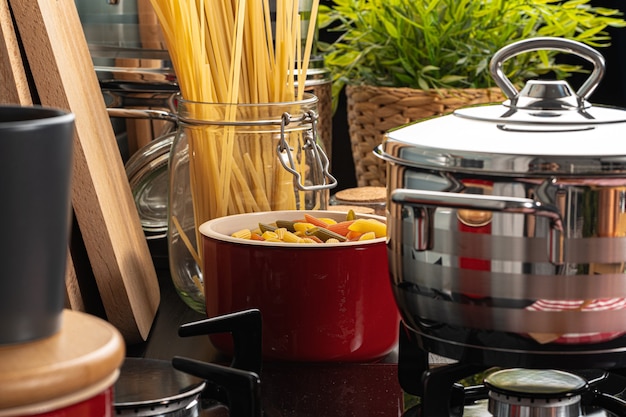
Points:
point(347, 390)
point(251, 387)
point(324, 390)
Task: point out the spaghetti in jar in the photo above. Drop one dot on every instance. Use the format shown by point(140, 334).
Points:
point(239, 158)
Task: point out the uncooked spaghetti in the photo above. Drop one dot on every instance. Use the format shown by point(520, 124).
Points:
point(228, 53)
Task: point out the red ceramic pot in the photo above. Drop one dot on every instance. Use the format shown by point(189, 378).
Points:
point(319, 302)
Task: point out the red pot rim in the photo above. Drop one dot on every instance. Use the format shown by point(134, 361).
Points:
point(221, 227)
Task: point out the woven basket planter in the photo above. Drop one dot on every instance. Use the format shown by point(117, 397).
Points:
point(372, 111)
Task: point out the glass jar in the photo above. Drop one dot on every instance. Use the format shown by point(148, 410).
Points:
point(238, 158)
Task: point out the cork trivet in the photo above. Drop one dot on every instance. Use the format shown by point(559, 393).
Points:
point(356, 209)
point(368, 194)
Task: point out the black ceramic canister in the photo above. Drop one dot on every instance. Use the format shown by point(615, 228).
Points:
point(35, 184)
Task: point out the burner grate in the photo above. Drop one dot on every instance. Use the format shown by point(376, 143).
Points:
point(600, 392)
point(238, 386)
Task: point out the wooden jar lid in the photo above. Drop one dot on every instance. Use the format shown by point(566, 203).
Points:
point(84, 355)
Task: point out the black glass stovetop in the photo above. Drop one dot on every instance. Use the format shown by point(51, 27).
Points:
point(407, 383)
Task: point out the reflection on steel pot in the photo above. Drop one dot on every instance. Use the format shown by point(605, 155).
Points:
point(507, 223)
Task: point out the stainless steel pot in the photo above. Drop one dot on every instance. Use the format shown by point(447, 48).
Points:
point(507, 223)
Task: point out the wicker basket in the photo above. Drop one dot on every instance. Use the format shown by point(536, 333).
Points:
point(372, 111)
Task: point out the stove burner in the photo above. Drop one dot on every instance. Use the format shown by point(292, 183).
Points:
point(510, 391)
point(535, 392)
point(150, 387)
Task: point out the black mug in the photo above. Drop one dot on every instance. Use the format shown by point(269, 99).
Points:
point(35, 209)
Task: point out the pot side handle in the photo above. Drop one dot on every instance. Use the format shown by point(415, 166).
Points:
point(432, 199)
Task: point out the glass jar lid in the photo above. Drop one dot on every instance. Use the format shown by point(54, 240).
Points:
point(147, 173)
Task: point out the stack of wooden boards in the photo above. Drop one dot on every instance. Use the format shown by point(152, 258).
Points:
point(44, 59)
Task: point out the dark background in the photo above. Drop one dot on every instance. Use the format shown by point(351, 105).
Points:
point(611, 91)
point(612, 88)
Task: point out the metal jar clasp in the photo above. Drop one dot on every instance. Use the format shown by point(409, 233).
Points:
point(286, 157)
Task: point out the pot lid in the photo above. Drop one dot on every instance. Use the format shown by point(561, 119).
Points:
point(546, 129)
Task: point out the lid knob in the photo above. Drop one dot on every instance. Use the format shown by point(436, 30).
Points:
point(553, 89)
point(548, 95)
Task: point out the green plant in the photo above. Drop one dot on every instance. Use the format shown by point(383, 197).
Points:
point(430, 44)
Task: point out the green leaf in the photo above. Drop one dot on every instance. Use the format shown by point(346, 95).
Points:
point(344, 59)
point(435, 43)
point(392, 30)
point(422, 84)
point(451, 79)
point(429, 68)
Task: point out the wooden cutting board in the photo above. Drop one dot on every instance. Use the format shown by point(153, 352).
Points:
point(15, 90)
point(63, 73)
point(14, 87)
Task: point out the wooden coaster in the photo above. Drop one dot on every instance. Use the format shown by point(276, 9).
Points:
point(369, 196)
